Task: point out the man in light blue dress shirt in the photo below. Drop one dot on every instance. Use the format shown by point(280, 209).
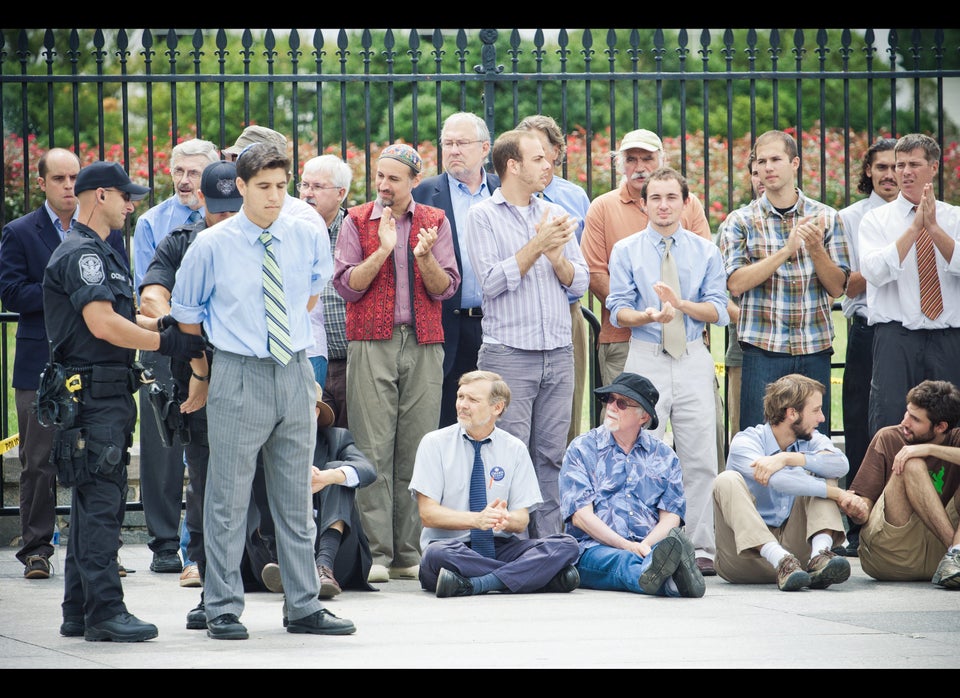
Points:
point(256, 402)
point(777, 516)
point(641, 300)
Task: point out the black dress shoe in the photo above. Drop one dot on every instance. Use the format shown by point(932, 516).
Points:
point(321, 623)
point(166, 562)
point(449, 583)
point(564, 581)
point(123, 627)
point(226, 627)
point(197, 617)
point(72, 626)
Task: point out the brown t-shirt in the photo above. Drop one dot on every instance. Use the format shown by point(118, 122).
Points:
point(877, 465)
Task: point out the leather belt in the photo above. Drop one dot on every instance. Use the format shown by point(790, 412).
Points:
point(470, 312)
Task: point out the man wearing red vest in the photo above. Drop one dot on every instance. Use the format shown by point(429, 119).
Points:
point(394, 264)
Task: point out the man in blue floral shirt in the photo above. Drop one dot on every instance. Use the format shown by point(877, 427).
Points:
point(621, 494)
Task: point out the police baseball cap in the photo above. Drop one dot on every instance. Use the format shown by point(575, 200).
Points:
point(219, 187)
point(109, 175)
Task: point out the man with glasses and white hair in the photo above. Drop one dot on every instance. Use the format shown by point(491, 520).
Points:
point(161, 475)
point(621, 493)
point(324, 185)
point(464, 146)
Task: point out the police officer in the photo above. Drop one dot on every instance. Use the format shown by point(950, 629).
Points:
point(91, 322)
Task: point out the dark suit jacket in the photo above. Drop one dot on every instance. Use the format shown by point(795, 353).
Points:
point(435, 191)
point(335, 447)
point(25, 249)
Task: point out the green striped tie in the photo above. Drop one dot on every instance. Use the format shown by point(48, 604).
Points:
point(278, 333)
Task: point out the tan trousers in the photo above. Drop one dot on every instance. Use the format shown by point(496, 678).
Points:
point(901, 553)
point(393, 399)
point(580, 352)
point(740, 532)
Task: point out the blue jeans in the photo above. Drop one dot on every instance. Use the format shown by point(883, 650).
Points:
point(761, 367)
point(613, 569)
point(184, 542)
point(319, 364)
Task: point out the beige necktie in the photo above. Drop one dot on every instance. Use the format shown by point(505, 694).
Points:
point(674, 332)
point(931, 298)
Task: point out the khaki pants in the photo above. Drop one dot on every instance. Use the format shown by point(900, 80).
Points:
point(740, 532)
point(580, 352)
point(901, 553)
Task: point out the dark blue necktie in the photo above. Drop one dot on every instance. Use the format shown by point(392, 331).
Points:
point(480, 541)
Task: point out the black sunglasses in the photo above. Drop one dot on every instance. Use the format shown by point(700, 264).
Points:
point(124, 194)
point(621, 403)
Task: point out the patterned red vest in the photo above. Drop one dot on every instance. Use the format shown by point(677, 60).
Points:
point(371, 317)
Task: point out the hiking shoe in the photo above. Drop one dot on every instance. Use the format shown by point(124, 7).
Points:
point(36, 567)
point(948, 571)
point(790, 574)
point(664, 561)
point(688, 576)
point(827, 568)
point(329, 586)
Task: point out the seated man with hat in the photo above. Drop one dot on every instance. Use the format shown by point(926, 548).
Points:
point(621, 495)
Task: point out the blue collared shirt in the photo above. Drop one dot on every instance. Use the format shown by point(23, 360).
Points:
point(219, 282)
point(154, 225)
point(775, 501)
point(461, 199)
point(576, 202)
point(635, 267)
point(627, 490)
point(55, 219)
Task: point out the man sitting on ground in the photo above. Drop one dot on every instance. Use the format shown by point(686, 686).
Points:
point(775, 506)
point(463, 478)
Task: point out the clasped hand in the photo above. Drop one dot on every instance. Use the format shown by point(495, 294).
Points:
point(494, 516)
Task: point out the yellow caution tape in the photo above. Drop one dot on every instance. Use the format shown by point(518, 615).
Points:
point(9, 442)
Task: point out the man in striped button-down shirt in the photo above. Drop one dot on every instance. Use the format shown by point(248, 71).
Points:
point(525, 252)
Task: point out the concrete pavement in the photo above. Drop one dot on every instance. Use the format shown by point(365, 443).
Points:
point(859, 624)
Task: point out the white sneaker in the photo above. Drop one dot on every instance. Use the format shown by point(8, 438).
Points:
point(378, 574)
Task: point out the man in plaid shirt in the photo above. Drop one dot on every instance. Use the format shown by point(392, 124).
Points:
point(786, 256)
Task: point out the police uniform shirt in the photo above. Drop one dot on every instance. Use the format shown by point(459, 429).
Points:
point(81, 270)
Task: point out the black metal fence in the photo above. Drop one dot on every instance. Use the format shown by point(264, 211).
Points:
point(130, 95)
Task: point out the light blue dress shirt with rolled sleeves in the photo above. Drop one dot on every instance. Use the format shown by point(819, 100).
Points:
point(824, 461)
point(219, 283)
point(635, 267)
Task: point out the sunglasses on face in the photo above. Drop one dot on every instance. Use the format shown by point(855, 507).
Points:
point(621, 403)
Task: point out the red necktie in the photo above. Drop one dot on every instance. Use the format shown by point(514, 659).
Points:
point(931, 299)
